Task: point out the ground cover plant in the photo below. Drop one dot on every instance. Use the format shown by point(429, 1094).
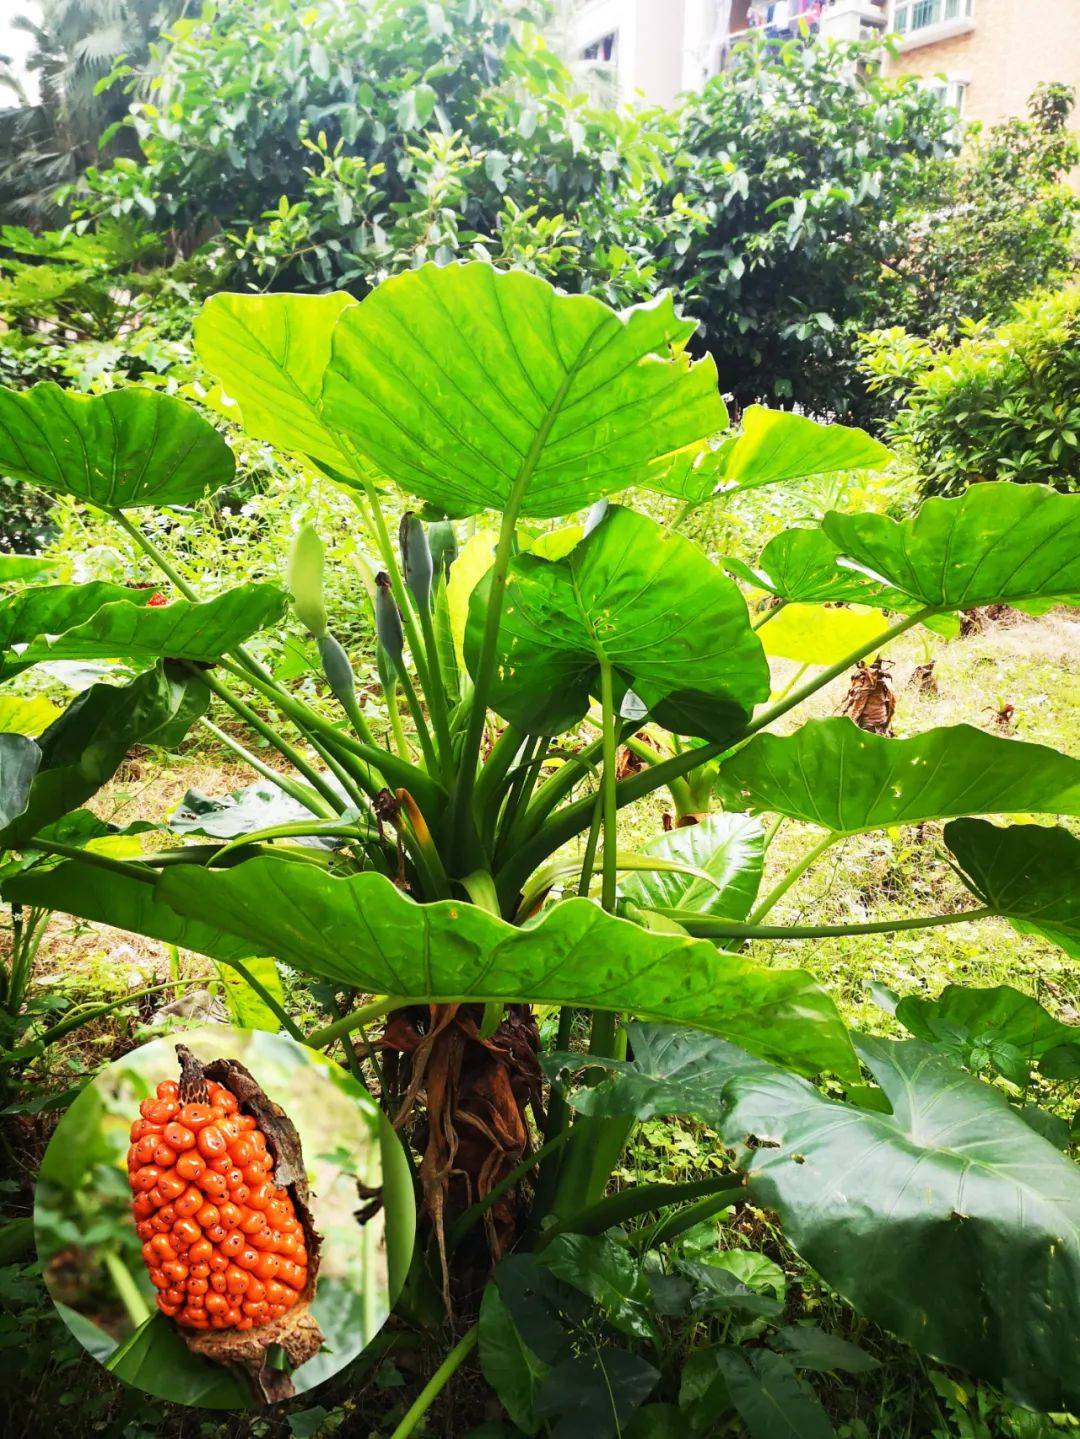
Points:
point(441, 853)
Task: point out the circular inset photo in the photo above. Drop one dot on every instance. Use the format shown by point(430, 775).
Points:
point(224, 1218)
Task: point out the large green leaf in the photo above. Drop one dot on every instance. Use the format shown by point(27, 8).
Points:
point(21, 568)
point(362, 932)
point(121, 449)
point(996, 544)
point(103, 621)
point(820, 634)
point(672, 626)
point(728, 847)
point(19, 760)
point(467, 385)
point(1027, 872)
point(156, 1359)
point(833, 774)
point(84, 747)
point(804, 567)
point(777, 446)
point(270, 352)
point(1000, 1028)
point(948, 1221)
point(120, 901)
point(772, 1401)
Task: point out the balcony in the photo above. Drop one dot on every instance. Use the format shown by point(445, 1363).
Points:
point(928, 22)
point(836, 20)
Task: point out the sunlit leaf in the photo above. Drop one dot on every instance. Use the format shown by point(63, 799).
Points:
point(672, 626)
point(29, 715)
point(728, 847)
point(817, 635)
point(102, 621)
point(468, 385)
point(997, 543)
point(833, 774)
point(121, 449)
point(777, 446)
point(270, 352)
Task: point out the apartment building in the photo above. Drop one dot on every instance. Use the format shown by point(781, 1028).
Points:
point(984, 57)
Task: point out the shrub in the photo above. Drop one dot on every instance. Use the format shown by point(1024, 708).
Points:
point(1003, 404)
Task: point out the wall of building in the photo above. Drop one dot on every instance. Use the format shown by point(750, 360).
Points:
point(1014, 45)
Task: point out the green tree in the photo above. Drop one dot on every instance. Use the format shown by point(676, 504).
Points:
point(795, 160)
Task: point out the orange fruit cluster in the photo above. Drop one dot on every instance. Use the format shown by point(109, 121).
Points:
point(222, 1243)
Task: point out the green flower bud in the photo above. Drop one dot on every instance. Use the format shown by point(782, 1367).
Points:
point(444, 546)
point(387, 619)
point(305, 580)
point(337, 669)
point(415, 558)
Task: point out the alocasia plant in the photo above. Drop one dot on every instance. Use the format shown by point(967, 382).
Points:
point(433, 868)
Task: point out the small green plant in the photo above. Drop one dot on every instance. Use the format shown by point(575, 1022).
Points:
point(1002, 404)
point(441, 851)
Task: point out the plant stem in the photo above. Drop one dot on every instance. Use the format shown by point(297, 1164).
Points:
point(770, 614)
point(283, 782)
point(436, 693)
point(670, 1226)
point(641, 1199)
point(323, 1038)
point(797, 870)
point(438, 1381)
point(92, 858)
point(330, 802)
point(607, 788)
point(136, 1307)
point(419, 722)
point(534, 849)
point(396, 771)
point(705, 927)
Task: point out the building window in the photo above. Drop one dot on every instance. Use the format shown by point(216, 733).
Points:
point(950, 93)
point(910, 15)
point(604, 51)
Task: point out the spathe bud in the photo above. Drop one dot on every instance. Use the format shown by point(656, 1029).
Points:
point(305, 580)
point(444, 547)
point(387, 619)
point(595, 515)
point(337, 669)
point(415, 558)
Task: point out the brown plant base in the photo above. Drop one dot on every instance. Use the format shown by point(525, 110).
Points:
point(475, 1095)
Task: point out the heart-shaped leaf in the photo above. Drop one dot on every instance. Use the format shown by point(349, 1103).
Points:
point(103, 621)
point(817, 635)
point(777, 446)
point(948, 1221)
point(997, 543)
point(475, 388)
point(29, 715)
point(833, 774)
point(771, 1399)
point(122, 449)
point(1011, 1029)
point(804, 567)
point(84, 747)
point(362, 932)
point(270, 353)
point(638, 597)
point(728, 847)
point(19, 760)
point(1027, 872)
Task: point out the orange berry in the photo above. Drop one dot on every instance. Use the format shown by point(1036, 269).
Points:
point(179, 1136)
point(198, 1286)
point(190, 1165)
point(185, 1233)
point(216, 1304)
point(145, 1178)
point(208, 1215)
point(190, 1201)
point(256, 1289)
point(219, 1262)
point(217, 1283)
point(157, 1279)
point(248, 1259)
point(253, 1222)
point(159, 1111)
point(201, 1252)
point(267, 1266)
point(242, 1151)
point(168, 1089)
point(171, 1185)
point(174, 1294)
point(211, 1142)
point(196, 1116)
point(236, 1281)
point(175, 1270)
